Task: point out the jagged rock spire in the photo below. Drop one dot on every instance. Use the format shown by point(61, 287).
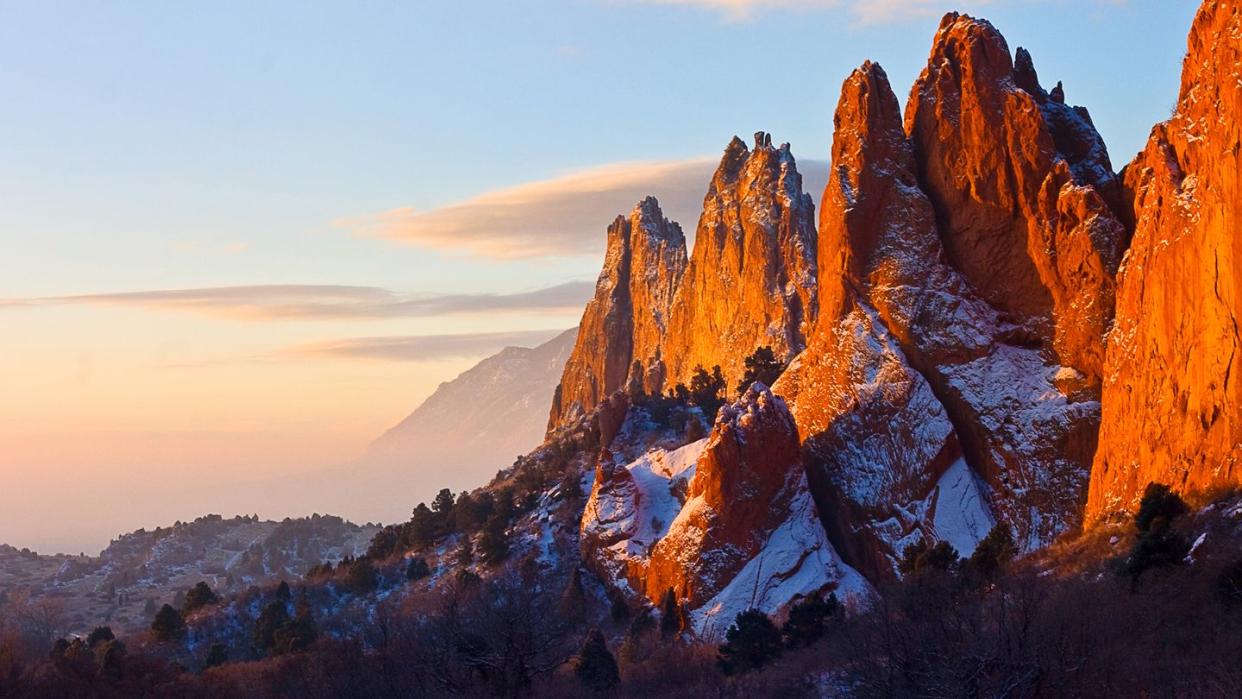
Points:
point(751, 280)
point(625, 321)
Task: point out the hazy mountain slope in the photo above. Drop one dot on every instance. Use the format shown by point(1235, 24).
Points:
point(490, 414)
point(471, 427)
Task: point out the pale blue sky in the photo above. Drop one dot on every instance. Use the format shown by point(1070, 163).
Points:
point(301, 150)
point(156, 144)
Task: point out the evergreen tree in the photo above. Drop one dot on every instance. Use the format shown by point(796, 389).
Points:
point(494, 542)
point(919, 558)
point(417, 569)
point(201, 595)
point(217, 656)
point(300, 632)
point(282, 592)
point(750, 643)
point(573, 604)
point(595, 668)
point(994, 551)
point(110, 659)
point(762, 366)
point(168, 624)
point(672, 621)
point(809, 619)
point(422, 529)
point(1157, 545)
point(273, 618)
point(101, 634)
point(361, 577)
point(470, 513)
point(384, 544)
point(707, 390)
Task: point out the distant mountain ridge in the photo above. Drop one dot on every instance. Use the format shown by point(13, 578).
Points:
point(496, 407)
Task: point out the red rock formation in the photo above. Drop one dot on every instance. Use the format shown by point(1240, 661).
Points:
point(877, 438)
point(727, 522)
point(1172, 402)
point(625, 322)
point(751, 278)
point(1021, 184)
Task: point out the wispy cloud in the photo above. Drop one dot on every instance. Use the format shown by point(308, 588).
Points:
point(556, 217)
point(326, 302)
point(418, 348)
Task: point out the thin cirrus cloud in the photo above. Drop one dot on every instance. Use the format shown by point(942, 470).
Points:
point(563, 216)
point(326, 301)
point(417, 348)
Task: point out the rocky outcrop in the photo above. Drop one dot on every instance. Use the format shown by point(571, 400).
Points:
point(751, 280)
point(1172, 394)
point(623, 325)
point(877, 438)
point(1023, 189)
point(727, 522)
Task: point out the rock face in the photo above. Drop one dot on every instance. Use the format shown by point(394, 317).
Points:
point(877, 438)
point(727, 522)
point(1171, 387)
point(1022, 186)
point(751, 280)
point(957, 324)
point(943, 348)
point(625, 322)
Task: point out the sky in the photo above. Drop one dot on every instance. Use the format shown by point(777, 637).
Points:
point(242, 239)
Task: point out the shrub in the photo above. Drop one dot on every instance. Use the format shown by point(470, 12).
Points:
point(762, 366)
point(168, 624)
point(750, 643)
point(217, 656)
point(361, 577)
point(417, 569)
point(273, 618)
point(1157, 545)
point(994, 552)
point(201, 595)
point(596, 669)
point(672, 618)
point(1159, 502)
point(918, 558)
point(809, 619)
point(101, 634)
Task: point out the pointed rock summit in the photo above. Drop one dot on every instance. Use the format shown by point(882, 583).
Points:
point(1022, 186)
point(1173, 373)
point(751, 281)
point(623, 325)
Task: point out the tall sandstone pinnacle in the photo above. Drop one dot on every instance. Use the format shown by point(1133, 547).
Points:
point(1173, 371)
point(965, 280)
point(751, 280)
point(1023, 190)
point(626, 320)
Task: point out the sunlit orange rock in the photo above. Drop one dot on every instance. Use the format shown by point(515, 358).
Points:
point(1173, 371)
point(878, 441)
point(627, 319)
point(1021, 183)
point(751, 278)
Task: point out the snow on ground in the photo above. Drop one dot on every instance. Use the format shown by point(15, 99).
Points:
point(797, 560)
point(961, 515)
